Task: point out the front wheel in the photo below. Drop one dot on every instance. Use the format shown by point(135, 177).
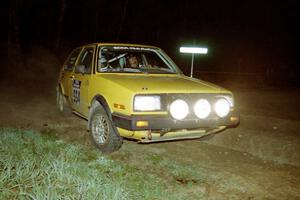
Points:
point(102, 132)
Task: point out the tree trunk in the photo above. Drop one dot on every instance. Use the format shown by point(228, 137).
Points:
point(13, 30)
point(122, 20)
point(60, 23)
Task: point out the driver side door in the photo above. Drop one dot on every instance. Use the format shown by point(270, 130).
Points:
point(81, 80)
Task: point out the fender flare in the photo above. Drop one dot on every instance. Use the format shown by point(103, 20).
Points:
point(98, 100)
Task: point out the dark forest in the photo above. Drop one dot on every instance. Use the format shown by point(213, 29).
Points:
point(242, 37)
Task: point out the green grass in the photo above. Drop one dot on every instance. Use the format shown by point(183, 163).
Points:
point(40, 166)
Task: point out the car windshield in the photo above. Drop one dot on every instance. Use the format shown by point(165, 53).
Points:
point(129, 59)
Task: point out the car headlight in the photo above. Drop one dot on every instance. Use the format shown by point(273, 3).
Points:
point(229, 98)
point(202, 108)
point(222, 107)
point(147, 103)
point(179, 109)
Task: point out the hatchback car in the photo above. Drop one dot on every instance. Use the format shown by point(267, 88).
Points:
point(138, 92)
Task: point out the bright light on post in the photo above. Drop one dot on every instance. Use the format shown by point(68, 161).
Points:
point(193, 50)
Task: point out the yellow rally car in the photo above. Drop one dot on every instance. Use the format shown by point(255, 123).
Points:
point(138, 92)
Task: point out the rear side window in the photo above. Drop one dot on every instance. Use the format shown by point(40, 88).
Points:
point(69, 65)
point(86, 59)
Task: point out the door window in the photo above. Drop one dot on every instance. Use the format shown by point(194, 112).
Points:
point(70, 63)
point(86, 60)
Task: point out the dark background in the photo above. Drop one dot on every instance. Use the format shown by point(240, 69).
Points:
point(243, 37)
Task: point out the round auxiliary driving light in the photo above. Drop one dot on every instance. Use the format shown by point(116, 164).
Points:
point(179, 109)
point(202, 108)
point(222, 107)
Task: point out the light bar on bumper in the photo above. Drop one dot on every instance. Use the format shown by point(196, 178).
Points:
point(182, 107)
point(177, 111)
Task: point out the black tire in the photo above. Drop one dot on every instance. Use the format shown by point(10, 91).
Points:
point(61, 103)
point(102, 133)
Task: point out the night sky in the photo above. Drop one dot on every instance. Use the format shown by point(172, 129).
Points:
point(253, 34)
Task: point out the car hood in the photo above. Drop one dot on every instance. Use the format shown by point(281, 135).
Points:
point(162, 83)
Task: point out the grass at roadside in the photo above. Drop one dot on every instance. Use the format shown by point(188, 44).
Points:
point(35, 166)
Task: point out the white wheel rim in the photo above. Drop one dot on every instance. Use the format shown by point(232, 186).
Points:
point(100, 129)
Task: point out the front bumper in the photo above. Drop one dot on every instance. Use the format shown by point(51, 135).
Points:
point(167, 123)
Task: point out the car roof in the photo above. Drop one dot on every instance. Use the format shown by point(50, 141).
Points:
point(119, 44)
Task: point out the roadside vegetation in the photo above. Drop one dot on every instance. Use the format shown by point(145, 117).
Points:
point(42, 166)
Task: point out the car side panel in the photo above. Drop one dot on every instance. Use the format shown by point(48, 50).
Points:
point(118, 98)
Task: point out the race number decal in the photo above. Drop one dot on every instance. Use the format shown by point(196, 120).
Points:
point(76, 91)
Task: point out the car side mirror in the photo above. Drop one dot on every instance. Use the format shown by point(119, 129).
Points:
point(80, 69)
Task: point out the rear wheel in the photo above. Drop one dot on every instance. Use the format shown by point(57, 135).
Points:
point(102, 132)
point(62, 103)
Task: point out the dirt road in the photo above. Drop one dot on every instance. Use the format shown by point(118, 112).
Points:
point(258, 160)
